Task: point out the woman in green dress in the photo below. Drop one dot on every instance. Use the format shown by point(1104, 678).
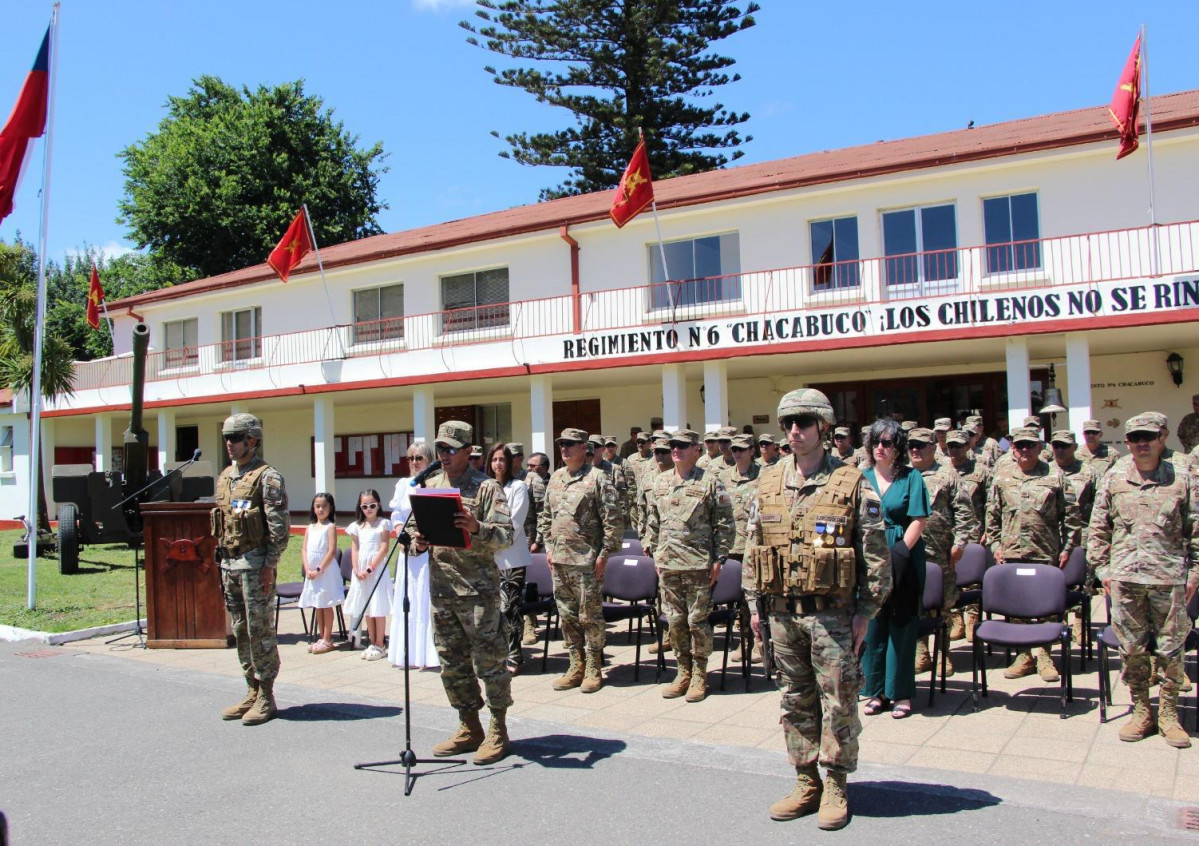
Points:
point(889, 657)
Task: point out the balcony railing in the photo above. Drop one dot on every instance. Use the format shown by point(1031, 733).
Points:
point(1089, 258)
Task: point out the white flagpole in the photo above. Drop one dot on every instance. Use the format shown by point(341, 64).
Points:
point(35, 392)
point(319, 264)
point(658, 228)
point(1157, 247)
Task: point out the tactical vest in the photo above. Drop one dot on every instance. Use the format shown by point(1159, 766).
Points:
point(808, 554)
point(239, 521)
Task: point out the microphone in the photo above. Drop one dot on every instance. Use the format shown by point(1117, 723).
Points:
point(196, 455)
point(419, 481)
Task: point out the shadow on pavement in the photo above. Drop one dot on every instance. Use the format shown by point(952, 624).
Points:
point(564, 751)
point(902, 799)
point(337, 712)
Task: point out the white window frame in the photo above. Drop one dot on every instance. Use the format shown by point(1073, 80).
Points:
point(380, 329)
point(921, 284)
point(181, 355)
point(838, 265)
point(687, 291)
point(485, 317)
point(231, 346)
point(1032, 245)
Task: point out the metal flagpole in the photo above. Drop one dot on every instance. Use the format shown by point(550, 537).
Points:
point(320, 265)
point(1149, 146)
point(39, 329)
point(661, 247)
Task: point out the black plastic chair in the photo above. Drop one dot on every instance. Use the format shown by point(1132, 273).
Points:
point(630, 546)
point(288, 593)
point(633, 580)
point(539, 580)
point(727, 596)
point(971, 567)
point(1075, 572)
point(1023, 591)
point(933, 622)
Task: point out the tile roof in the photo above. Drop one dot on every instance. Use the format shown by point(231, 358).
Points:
point(1044, 132)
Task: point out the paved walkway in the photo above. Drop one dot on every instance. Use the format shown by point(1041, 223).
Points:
point(1017, 732)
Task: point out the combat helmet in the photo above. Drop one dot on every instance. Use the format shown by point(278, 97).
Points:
point(242, 424)
point(806, 401)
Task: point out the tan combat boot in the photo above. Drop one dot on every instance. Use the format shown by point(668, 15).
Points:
point(924, 661)
point(957, 628)
point(1167, 718)
point(573, 677)
point(697, 689)
point(969, 621)
point(1024, 665)
point(530, 636)
point(236, 712)
point(1141, 724)
point(834, 804)
point(1045, 667)
point(263, 708)
point(1076, 630)
point(467, 738)
point(496, 746)
point(681, 683)
point(804, 799)
point(593, 677)
point(756, 656)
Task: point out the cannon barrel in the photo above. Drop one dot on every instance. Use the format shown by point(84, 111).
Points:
point(137, 439)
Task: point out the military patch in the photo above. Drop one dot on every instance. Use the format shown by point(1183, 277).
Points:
point(872, 508)
point(722, 497)
point(272, 492)
point(770, 517)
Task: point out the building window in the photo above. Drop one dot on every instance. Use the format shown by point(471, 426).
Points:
point(475, 300)
point(702, 270)
point(379, 314)
point(182, 341)
point(6, 443)
point(1013, 231)
point(241, 334)
point(920, 245)
point(495, 423)
point(835, 253)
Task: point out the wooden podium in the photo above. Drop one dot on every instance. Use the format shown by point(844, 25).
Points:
point(185, 604)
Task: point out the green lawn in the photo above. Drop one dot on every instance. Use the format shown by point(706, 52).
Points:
point(99, 594)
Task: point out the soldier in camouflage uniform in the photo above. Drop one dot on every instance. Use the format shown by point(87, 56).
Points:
point(1145, 524)
point(742, 485)
point(859, 457)
point(986, 448)
point(1188, 427)
point(1094, 451)
point(628, 488)
point(950, 526)
point(814, 515)
point(974, 481)
point(1181, 460)
point(688, 533)
point(1030, 519)
point(941, 427)
point(724, 462)
point(712, 447)
point(1079, 478)
point(581, 526)
point(770, 450)
point(468, 625)
point(640, 461)
point(251, 524)
point(842, 445)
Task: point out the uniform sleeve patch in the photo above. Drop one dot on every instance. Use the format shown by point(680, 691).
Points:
point(272, 492)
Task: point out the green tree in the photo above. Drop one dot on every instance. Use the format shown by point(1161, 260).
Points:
point(618, 65)
point(215, 187)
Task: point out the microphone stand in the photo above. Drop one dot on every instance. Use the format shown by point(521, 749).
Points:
point(407, 758)
point(137, 545)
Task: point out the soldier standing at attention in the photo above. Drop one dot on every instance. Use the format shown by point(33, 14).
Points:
point(712, 447)
point(741, 482)
point(519, 471)
point(988, 446)
point(1188, 427)
point(770, 450)
point(624, 470)
point(468, 625)
point(842, 446)
point(251, 524)
point(974, 481)
point(725, 462)
point(581, 526)
point(688, 533)
point(1145, 525)
point(1094, 451)
point(1030, 519)
point(640, 461)
point(951, 525)
point(818, 552)
point(941, 427)
point(859, 456)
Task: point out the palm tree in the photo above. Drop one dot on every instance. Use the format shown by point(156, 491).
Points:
point(18, 315)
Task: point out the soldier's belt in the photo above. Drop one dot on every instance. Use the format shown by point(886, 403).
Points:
point(800, 604)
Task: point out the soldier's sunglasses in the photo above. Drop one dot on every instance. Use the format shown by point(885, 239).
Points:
point(1141, 437)
point(446, 450)
point(740, 449)
point(661, 452)
point(804, 421)
point(917, 445)
point(234, 439)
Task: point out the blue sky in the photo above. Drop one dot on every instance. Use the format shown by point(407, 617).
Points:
point(815, 76)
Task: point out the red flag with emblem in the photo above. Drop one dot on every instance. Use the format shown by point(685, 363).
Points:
point(636, 189)
point(95, 296)
point(295, 245)
point(27, 121)
point(1126, 102)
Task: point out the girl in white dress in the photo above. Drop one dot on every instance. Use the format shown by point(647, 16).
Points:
point(369, 535)
point(323, 588)
point(421, 651)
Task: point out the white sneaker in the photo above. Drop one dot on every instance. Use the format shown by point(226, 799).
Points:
point(374, 653)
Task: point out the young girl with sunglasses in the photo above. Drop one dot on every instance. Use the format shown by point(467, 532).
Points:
point(369, 536)
point(323, 587)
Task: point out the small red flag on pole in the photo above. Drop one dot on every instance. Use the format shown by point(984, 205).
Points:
point(636, 189)
point(1126, 102)
point(295, 245)
point(95, 296)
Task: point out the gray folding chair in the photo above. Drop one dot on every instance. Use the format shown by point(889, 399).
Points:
point(633, 580)
point(933, 622)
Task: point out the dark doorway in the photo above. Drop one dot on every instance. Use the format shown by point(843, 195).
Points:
point(187, 441)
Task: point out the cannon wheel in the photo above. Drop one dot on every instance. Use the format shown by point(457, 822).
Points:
point(68, 540)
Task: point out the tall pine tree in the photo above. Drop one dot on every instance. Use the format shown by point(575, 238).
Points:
point(618, 65)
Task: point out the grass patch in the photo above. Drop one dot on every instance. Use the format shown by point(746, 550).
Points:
point(101, 592)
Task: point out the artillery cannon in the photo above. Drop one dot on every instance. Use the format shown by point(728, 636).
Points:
point(89, 502)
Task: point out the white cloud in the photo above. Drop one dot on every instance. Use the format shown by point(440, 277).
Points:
point(439, 5)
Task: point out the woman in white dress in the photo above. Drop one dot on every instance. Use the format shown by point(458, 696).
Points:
point(422, 653)
point(511, 560)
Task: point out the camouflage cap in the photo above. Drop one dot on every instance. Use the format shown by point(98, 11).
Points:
point(970, 428)
point(476, 451)
point(1157, 417)
point(908, 425)
point(865, 430)
point(596, 441)
point(725, 433)
point(841, 431)
point(921, 435)
point(710, 436)
point(454, 433)
point(975, 418)
point(661, 441)
point(643, 436)
point(1031, 422)
point(1063, 436)
point(516, 448)
point(610, 440)
point(957, 436)
point(242, 424)
point(743, 441)
point(765, 438)
point(1026, 434)
point(942, 424)
point(1092, 426)
point(572, 436)
point(686, 437)
point(1147, 422)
